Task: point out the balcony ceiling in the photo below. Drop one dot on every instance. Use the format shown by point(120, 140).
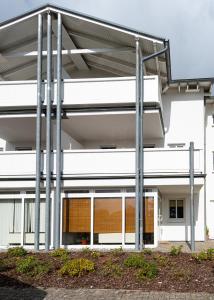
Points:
point(108, 128)
point(79, 32)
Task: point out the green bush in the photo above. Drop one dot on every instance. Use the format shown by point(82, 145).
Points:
point(16, 252)
point(204, 255)
point(111, 269)
point(161, 260)
point(32, 266)
point(86, 251)
point(134, 261)
point(61, 253)
point(3, 266)
point(175, 251)
point(95, 254)
point(147, 251)
point(210, 254)
point(117, 252)
point(77, 267)
point(149, 270)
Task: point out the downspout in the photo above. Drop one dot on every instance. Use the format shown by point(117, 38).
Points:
point(205, 171)
point(38, 132)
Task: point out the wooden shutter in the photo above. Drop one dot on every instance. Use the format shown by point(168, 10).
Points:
point(130, 215)
point(107, 215)
point(76, 215)
point(149, 215)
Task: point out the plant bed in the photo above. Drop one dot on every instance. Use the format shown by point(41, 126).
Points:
point(121, 270)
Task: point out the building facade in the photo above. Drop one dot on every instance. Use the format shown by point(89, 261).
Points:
point(87, 77)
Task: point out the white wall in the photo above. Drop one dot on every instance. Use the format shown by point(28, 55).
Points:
point(209, 169)
point(180, 231)
point(183, 115)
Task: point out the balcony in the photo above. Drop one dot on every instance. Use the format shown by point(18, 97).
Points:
point(100, 163)
point(95, 91)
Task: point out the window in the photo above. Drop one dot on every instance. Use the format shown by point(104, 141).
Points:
point(176, 145)
point(176, 209)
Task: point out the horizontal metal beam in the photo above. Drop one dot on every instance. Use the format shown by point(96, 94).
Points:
point(69, 52)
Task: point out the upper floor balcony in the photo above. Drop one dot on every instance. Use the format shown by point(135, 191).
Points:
point(94, 91)
point(101, 163)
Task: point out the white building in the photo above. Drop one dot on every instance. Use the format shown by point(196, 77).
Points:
point(98, 137)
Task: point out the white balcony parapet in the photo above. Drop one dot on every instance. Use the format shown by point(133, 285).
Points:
point(92, 163)
point(94, 91)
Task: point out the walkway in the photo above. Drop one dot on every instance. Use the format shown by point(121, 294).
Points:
point(93, 294)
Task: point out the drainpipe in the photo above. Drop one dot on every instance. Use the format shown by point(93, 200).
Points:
point(48, 132)
point(192, 212)
point(38, 133)
point(58, 133)
point(139, 175)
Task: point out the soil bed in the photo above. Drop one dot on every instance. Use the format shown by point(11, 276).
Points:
point(180, 273)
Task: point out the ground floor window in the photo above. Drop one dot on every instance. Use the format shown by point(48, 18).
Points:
point(76, 221)
point(105, 219)
point(10, 216)
point(176, 209)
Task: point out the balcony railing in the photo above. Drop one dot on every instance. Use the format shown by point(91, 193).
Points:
point(118, 162)
point(95, 91)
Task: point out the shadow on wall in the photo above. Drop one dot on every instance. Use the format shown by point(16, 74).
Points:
point(11, 288)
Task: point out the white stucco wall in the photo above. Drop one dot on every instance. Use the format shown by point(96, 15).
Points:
point(209, 169)
point(183, 115)
point(180, 230)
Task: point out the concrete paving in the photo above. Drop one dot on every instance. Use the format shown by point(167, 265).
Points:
point(199, 246)
point(93, 294)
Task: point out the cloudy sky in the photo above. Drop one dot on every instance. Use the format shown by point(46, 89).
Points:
point(188, 24)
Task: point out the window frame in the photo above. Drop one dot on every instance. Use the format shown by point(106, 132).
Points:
point(176, 219)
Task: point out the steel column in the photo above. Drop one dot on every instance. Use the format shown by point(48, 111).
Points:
point(58, 133)
point(48, 132)
point(192, 217)
point(137, 168)
point(141, 152)
point(38, 132)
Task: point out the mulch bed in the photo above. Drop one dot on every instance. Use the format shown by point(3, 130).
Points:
point(181, 273)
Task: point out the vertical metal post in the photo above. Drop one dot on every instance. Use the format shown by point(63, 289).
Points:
point(137, 167)
point(48, 132)
point(38, 132)
point(58, 132)
point(141, 152)
point(192, 219)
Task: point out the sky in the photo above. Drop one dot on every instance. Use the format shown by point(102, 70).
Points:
point(188, 24)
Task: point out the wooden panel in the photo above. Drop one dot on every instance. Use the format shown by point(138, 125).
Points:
point(130, 215)
point(107, 215)
point(76, 215)
point(149, 215)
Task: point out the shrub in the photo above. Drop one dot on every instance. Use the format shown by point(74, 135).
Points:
point(111, 269)
point(3, 266)
point(117, 252)
point(149, 270)
point(175, 251)
point(77, 267)
point(161, 260)
point(61, 253)
point(95, 254)
point(147, 251)
point(182, 274)
point(204, 255)
point(210, 254)
point(16, 252)
point(86, 251)
point(30, 265)
point(134, 261)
